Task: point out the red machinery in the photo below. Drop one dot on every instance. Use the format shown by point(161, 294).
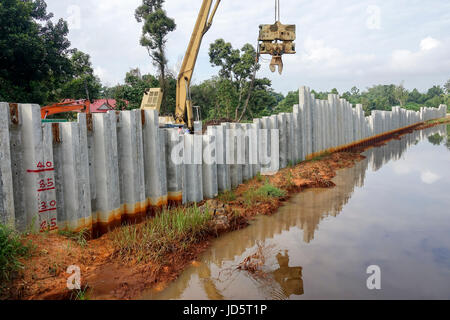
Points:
point(66, 106)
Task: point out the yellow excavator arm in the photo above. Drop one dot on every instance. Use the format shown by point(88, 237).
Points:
point(183, 99)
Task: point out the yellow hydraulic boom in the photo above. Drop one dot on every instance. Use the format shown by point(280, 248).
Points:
point(183, 101)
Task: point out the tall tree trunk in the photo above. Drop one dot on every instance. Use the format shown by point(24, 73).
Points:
point(252, 84)
point(162, 80)
point(236, 111)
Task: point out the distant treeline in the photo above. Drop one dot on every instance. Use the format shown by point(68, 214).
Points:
point(383, 97)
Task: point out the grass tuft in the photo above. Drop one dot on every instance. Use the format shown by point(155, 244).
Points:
point(263, 193)
point(170, 231)
point(81, 238)
point(227, 196)
point(11, 249)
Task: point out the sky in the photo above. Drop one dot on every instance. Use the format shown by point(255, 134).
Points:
point(340, 43)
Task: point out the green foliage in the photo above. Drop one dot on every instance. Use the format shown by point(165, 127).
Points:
point(227, 196)
point(380, 97)
point(263, 193)
point(83, 84)
point(11, 249)
point(34, 52)
point(436, 139)
point(447, 87)
point(238, 91)
point(288, 102)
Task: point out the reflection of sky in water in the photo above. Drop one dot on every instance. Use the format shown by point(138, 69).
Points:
point(390, 210)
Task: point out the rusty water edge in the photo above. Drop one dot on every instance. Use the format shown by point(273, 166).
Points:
point(366, 142)
point(128, 215)
point(175, 199)
point(93, 227)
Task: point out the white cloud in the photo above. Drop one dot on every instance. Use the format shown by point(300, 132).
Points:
point(433, 56)
point(429, 177)
point(429, 44)
point(316, 51)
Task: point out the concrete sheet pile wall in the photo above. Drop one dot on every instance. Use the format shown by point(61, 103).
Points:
point(110, 168)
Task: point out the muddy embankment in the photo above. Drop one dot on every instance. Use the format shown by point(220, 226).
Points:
point(104, 275)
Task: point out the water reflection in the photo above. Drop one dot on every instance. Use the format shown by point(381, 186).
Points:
point(344, 246)
point(289, 278)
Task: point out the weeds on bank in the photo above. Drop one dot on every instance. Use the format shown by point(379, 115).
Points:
point(259, 177)
point(263, 193)
point(441, 120)
point(79, 237)
point(11, 249)
point(168, 232)
point(227, 196)
point(289, 179)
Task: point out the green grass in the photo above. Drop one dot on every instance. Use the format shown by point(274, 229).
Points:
point(79, 237)
point(227, 196)
point(441, 120)
point(263, 193)
point(80, 295)
point(11, 249)
point(170, 231)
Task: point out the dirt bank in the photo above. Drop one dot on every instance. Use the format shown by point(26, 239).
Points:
point(104, 276)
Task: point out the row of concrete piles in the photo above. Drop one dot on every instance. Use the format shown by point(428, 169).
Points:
point(103, 170)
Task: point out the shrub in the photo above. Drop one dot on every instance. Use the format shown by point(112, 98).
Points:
point(263, 193)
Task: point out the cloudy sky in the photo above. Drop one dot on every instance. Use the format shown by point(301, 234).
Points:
point(340, 43)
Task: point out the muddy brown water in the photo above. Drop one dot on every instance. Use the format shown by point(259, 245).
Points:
point(391, 210)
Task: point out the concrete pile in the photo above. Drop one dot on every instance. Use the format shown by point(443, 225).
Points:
point(116, 167)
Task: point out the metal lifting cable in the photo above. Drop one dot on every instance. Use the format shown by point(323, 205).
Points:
point(277, 10)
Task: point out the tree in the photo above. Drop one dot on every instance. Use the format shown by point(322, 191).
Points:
point(154, 36)
point(401, 94)
point(33, 52)
point(416, 97)
point(239, 67)
point(291, 99)
point(334, 91)
point(83, 84)
point(355, 92)
point(435, 91)
point(447, 87)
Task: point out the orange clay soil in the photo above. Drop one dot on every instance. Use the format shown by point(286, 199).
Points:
point(106, 277)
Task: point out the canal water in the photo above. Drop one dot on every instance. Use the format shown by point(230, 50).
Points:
point(391, 210)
